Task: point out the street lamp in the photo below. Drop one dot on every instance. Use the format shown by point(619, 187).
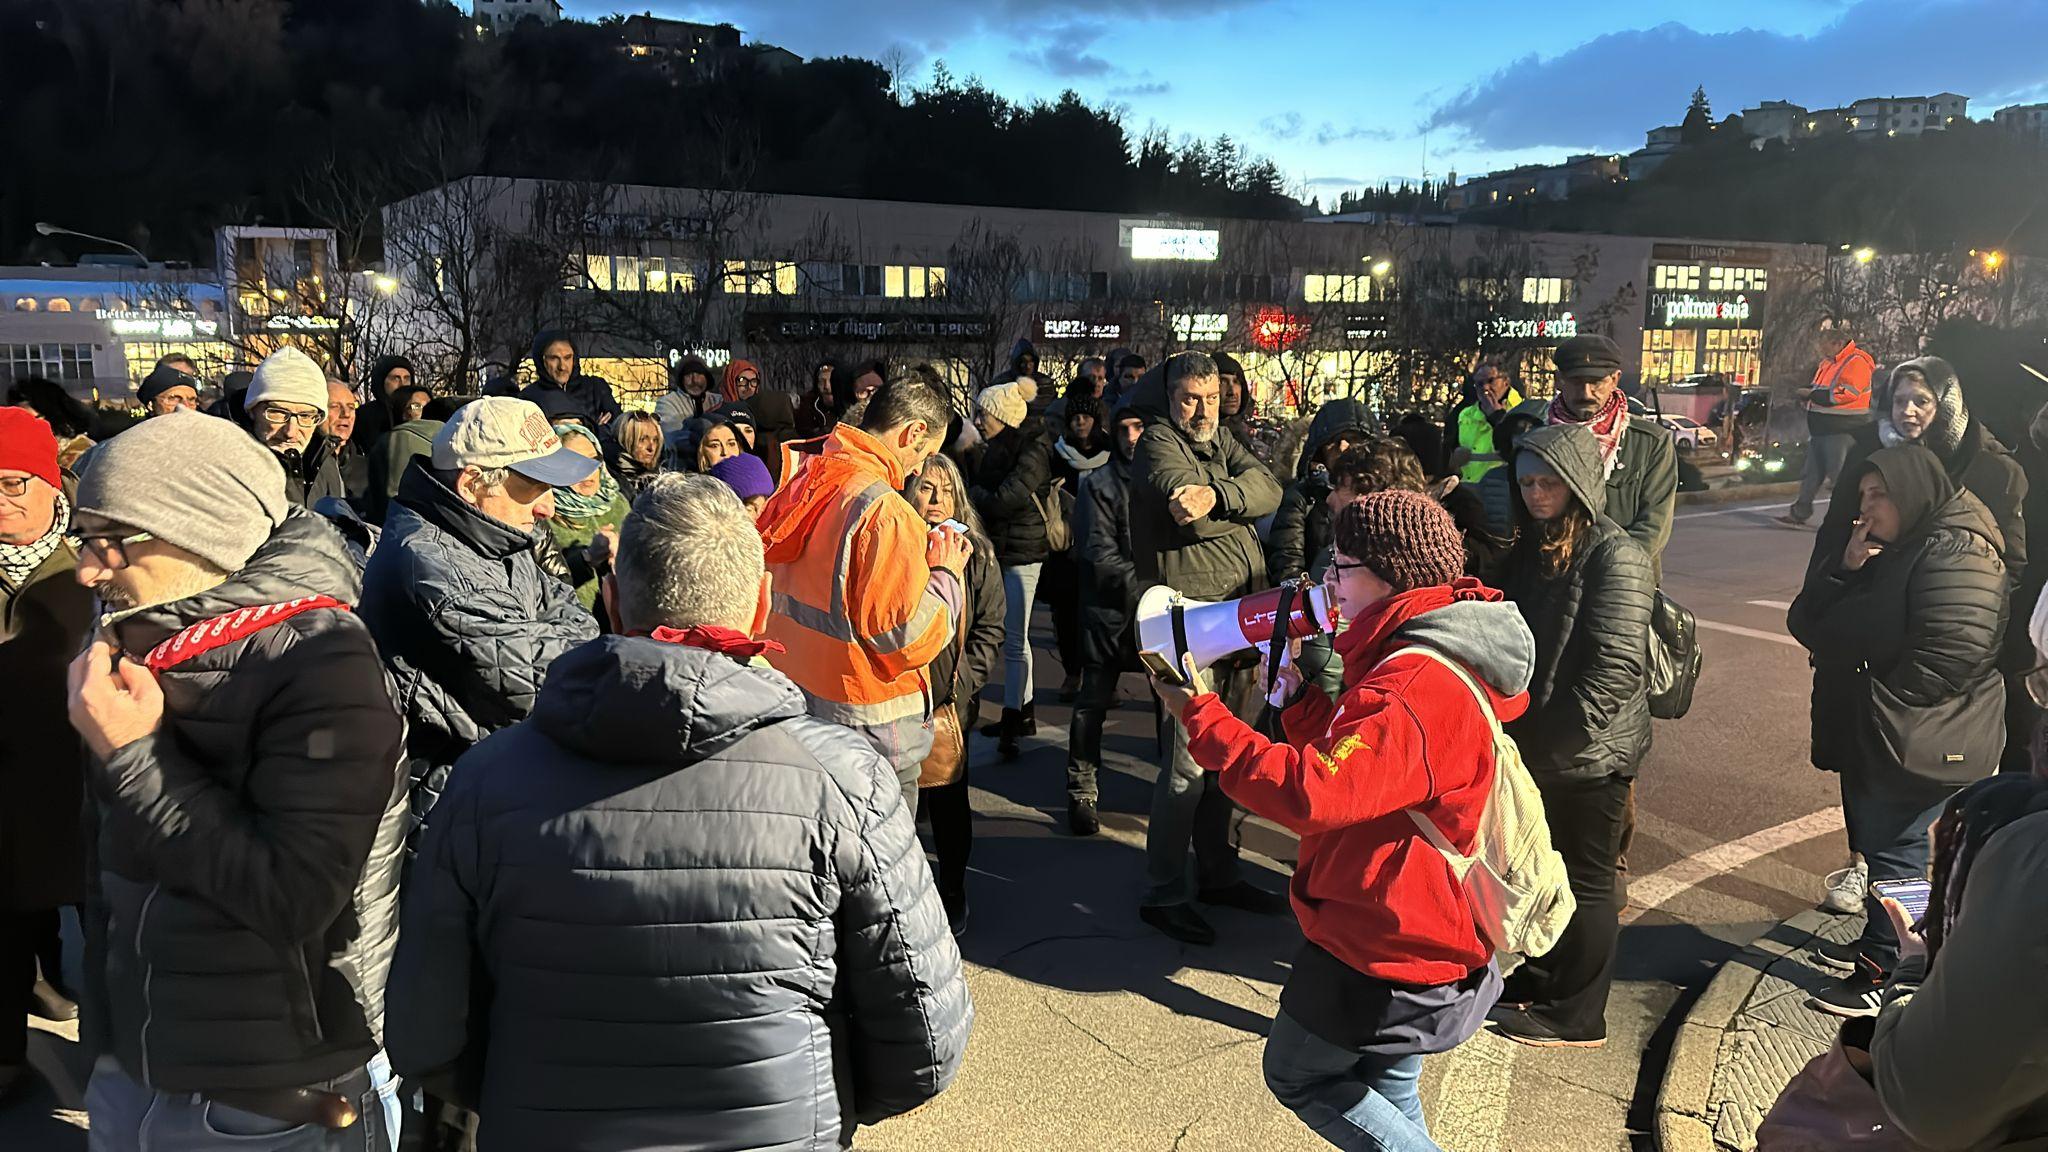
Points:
point(1993, 260)
point(1382, 267)
point(1864, 255)
point(46, 228)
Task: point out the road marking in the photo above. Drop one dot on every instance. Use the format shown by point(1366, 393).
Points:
point(1744, 508)
point(1752, 633)
point(1668, 882)
point(1780, 605)
point(1471, 1108)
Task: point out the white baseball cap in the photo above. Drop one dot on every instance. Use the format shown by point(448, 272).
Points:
point(506, 432)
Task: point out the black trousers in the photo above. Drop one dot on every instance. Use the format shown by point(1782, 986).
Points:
point(1059, 588)
point(1568, 988)
point(952, 820)
point(25, 938)
point(1084, 737)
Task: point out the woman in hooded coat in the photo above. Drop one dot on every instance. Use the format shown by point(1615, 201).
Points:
point(1586, 589)
point(1904, 627)
point(1082, 448)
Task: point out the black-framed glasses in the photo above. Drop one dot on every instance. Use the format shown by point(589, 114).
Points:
point(276, 417)
point(2037, 685)
point(14, 485)
point(1338, 568)
point(106, 549)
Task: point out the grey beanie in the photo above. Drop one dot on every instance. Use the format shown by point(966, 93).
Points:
point(194, 481)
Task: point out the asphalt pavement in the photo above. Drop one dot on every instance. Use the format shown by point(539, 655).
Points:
point(1094, 1032)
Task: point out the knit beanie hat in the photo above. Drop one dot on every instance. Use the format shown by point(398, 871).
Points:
point(162, 379)
point(746, 475)
point(28, 445)
point(290, 376)
point(1009, 403)
point(1084, 406)
point(1405, 538)
point(191, 480)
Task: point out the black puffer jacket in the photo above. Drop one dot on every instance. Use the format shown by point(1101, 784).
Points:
point(1013, 474)
point(312, 474)
point(1217, 557)
point(1302, 527)
point(962, 670)
point(1921, 622)
point(466, 620)
point(673, 910)
point(588, 398)
point(1589, 706)
point(1973, 458)
point(1109, 576)
point(247, 894)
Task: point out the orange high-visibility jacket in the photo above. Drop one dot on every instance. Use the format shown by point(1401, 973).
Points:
point(854, 601)
point(1846, 377)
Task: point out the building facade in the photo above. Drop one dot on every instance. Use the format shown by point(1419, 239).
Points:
point(1891, 116)
point(1395, 314)
point(680, 47)
point(499, 17)
point(2027, 119)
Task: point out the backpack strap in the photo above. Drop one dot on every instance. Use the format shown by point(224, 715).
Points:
point(1459, 862)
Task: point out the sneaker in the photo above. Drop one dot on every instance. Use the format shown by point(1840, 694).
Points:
point(1247, 897)
point(1791, 521)
point(1525, 1027)
point(1082, 819)
point(1179, 921)
point(1846, 888)
point(1861, 993)
point(47, 1003)
point(1839, 958)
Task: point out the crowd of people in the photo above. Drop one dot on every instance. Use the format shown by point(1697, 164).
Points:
point(468, 766)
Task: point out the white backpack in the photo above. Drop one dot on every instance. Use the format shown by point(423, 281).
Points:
point(1515, 882)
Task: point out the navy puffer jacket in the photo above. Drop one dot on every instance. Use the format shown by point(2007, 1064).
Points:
point(467, 621)
point(671, 910)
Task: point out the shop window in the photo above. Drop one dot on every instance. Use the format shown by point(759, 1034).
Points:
point(57, 304)
point(1321, 288)
point(913, 281)
point(1669, 354)
point(1546, 290)
point(25, 304)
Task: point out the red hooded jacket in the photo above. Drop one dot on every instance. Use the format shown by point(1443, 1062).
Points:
point(1406, 734)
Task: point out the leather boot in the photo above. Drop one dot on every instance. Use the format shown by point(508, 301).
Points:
point(1027, 724)
point(1009, 729)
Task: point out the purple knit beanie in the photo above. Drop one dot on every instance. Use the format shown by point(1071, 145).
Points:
point(745, 475)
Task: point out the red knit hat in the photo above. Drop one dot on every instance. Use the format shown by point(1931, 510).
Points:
point(1406, 538)
point(28, 445)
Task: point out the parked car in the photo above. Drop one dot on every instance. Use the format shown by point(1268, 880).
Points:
point(1690, 435)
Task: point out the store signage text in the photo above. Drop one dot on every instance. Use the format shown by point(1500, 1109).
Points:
point(1528, 328)
point(1149, 243)
point(1070, 329)
point(302, 323)
point(865, 327)
point(712, 357)
point(1698, 310)
point(151, 323)
point(1200, 327)
point(1275, 329)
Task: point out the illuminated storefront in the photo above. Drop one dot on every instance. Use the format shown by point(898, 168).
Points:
point(1705, 312)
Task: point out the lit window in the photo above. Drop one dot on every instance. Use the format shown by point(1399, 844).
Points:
point(1677, 277)
point(912, 281)
point(597, 272)
point(626, 273)
point(759, 278)
point(57, 304)
point(1336, 288)
point(1546, 290)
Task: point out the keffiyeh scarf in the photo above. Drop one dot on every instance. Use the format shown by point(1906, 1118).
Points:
point(1608, 426)
point(20, 561)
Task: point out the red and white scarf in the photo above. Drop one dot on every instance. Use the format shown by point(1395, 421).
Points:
point(712, 638)
point(1608, 426)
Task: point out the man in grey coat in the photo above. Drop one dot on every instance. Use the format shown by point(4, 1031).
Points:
point(1196, 492)
point(705, 915)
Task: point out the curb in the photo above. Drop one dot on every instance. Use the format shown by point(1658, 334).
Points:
point(1735, 492)
point(1682, 1099)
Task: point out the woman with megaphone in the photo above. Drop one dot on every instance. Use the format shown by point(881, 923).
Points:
point(1394, 966)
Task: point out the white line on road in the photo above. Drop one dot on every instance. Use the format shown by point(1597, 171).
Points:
point(1780, 605)
point(1752, 633)
point(1667, 882)
point(1744, 508)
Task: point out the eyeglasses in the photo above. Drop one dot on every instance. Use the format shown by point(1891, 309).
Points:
point(750, 379)
point(1338, 568)
point(14, 485)
point(2037, 685)
point(106, 549)
point(275, 417)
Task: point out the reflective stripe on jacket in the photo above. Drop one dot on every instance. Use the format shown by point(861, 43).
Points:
point(1846, 376)
point(1475, 435)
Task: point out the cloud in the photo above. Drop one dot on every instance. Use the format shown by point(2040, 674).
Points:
point(1336, 182)
point(1329, 134)
point(1607, 91)
point(1284, 127)
point(1063, 51)
point(1137, 91)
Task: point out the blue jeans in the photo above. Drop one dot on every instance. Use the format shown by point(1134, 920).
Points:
point(1020, 589)
point(1357, 1103)
point(1888, 824)
point(1189, 809)
point(1824, 458)
point(129, 1116)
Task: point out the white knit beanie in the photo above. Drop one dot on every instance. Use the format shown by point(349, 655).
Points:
point(1009, 403)
point(287, 375)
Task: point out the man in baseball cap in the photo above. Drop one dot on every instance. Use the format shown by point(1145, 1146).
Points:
point(466, 618)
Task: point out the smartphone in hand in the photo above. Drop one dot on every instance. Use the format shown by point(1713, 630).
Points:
point(1912, 895)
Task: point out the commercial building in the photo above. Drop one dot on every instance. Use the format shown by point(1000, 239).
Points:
point(1391, 312)
point(99, 327)
point(2028, 119)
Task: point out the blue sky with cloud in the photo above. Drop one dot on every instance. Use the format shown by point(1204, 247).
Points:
point(1342, 92)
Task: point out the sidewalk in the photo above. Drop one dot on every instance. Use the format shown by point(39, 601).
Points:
point(1746, 1036)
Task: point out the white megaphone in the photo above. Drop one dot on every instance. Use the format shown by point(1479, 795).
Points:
point(1171, 626)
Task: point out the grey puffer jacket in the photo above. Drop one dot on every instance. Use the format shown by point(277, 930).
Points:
point(467, 622)
point(245, 907)
point(1589, 705)
point(1217, 557)
point(672, 910)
